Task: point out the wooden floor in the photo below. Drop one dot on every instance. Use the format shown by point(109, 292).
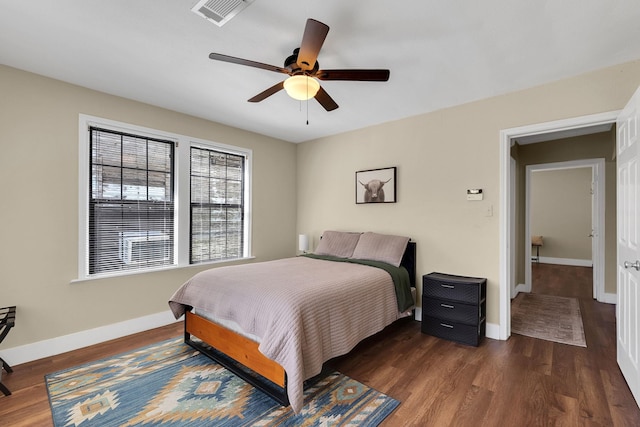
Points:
point(519, 382)
point(562, 281)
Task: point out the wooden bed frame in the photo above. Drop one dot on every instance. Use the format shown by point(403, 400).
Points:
point(237, 353)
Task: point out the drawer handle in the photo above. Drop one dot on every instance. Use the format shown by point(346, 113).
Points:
point(446, 306)
point(446, 326)
point(448, 286)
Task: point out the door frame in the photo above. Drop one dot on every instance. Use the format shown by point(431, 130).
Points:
point(596, 213)
point(507, 200)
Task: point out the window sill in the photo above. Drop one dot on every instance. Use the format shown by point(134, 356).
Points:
point(159, 270)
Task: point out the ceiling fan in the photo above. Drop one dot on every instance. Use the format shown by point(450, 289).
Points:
point(304, 71)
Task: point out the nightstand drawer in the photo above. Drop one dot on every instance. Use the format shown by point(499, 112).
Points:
point(454, 288)
point(453, 311)
point(464, 334)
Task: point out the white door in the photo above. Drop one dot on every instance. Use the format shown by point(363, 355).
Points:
point(597, 172)
point(628, 319)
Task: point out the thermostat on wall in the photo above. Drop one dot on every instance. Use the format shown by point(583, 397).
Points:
point(474, 194)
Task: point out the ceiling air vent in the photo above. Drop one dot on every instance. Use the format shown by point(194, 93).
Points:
point(220, 11)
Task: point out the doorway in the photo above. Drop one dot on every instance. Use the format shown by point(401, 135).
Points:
point(576, 235)
point(509, 250)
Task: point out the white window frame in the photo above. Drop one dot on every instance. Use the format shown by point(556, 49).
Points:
point(182, 192)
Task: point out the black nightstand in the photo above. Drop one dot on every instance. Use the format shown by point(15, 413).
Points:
point(454, 307)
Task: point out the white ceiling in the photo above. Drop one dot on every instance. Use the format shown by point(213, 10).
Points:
point(440, 52)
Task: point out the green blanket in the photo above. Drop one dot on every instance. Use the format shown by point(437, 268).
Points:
point(399, 275)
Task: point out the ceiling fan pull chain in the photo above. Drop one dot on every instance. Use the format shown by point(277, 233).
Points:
point(307, 101)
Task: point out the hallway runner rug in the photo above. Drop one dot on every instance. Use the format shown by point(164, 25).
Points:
point(169, 384)
point(548, 317)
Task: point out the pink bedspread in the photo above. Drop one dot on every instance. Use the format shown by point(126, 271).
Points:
point(305, 311)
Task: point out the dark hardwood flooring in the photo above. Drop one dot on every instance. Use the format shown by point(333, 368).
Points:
point(562, 280)
point(519, 382)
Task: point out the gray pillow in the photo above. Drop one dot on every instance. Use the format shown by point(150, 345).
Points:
point(381, 247)
point(337, 243)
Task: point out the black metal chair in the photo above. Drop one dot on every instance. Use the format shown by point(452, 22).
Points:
point(7, 321)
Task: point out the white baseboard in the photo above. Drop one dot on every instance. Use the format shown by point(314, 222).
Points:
point(58, 345)
point(54, 346)
point(492, 331)
point(609, 298)
point(566, 261)
point(521, 287)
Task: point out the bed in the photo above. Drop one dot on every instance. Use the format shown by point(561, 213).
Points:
point(283, 319)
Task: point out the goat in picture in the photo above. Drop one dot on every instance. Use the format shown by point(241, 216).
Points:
point(373, 192)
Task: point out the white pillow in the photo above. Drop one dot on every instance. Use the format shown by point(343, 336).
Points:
point(381, 247)
point(337, 243)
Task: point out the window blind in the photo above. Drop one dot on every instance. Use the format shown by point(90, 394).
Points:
point(131, 202)
point(217, 205)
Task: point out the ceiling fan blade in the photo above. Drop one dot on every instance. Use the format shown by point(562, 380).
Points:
point(234, 60)
point(267, 93)
point(325, 100)
point(359, 75)
point(314, 34)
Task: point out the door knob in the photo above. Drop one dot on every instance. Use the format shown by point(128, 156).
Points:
point(635, 265)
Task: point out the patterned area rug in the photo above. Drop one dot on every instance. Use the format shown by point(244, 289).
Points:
point(549, 318)
point(169, 384)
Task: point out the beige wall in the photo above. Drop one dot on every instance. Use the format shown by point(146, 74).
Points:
point(595, 146)
point(39, 213)
point(439, 155)
point(560, 211)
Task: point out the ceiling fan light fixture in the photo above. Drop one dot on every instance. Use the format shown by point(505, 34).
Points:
point(301, 87)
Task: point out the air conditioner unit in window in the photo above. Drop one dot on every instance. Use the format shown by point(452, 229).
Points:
point(143, 248)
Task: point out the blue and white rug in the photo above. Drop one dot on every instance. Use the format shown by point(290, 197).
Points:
point(169, 384)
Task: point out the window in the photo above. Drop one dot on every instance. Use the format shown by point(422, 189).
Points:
point(135, 182)
point(217, 208)
point(131, 206)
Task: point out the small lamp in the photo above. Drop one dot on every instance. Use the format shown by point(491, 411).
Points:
point(303, 243)
point(301, 87)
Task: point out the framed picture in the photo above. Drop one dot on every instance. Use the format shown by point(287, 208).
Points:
point(376, 186)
